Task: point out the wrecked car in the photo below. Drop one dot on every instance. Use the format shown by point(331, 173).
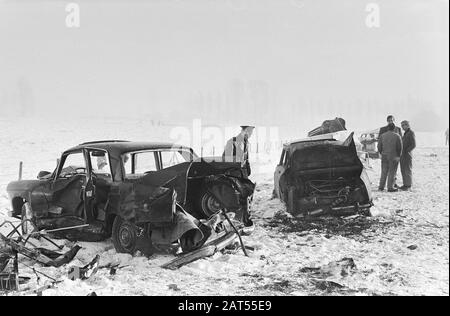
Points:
point(136, 192)
point(322, 175)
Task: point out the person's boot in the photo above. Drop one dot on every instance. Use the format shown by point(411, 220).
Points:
point(393, 190)
point(405, 188)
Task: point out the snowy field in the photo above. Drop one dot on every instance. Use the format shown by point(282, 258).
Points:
point(402, 250)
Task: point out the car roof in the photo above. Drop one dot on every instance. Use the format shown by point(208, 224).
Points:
point(120, 146)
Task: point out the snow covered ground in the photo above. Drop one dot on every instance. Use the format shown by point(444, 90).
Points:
point(402, 250)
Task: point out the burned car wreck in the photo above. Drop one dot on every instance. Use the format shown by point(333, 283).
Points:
point(322, 175)
point(139, 193)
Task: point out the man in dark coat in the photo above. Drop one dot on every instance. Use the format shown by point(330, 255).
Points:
point(390, 120)
point(406, 164)
point(390, 147)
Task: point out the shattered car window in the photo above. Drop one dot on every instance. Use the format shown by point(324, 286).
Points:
point(74, 164)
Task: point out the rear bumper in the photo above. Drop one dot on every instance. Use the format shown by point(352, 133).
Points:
point(353, 207)
point(343, 210)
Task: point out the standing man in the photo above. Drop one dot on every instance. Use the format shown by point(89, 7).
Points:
point(446, 137)
point(409, 143)
point(390, 147)
point(237, 148)
point(390, 120)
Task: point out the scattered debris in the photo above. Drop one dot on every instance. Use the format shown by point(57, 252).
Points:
point(6, 254)
point(350, 227)
point(85, 272)
point(279, 286)
point(412, 247)
point(207, 250)
point(173, 287)
point(340, 268)
point(9, 282)
point(328, 286)
point(41, 256)
point(329, 126)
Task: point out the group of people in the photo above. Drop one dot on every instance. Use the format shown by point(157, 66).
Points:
point(396, 149)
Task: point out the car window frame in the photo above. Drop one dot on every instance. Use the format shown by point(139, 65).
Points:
point(132, 155)
point(176, 150)
point(63, 159)
point(88, 150)
point(282, 158)
point(287, 158)
point(157, 153)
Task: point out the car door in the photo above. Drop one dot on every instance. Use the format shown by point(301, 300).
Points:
point(89, 191)
point(99, 182)
point(279, 171)
point(66, 190)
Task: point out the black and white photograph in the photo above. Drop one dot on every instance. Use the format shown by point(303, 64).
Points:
point(224, 153)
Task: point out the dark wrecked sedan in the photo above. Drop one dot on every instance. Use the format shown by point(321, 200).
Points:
point(321, 175)
point(151, 193)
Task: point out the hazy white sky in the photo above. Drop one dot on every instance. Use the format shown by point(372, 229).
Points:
point(131, 54)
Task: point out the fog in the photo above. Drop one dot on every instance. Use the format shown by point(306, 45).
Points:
point(285, 63)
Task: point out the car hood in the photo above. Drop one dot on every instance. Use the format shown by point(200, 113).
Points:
point(22, 186)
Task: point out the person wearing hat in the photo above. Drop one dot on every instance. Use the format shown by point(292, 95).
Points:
point(237, 148)
point(406, 160)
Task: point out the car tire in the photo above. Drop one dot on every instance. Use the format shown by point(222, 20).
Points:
point(26, 218)
point(208, 205)
point(124, 236)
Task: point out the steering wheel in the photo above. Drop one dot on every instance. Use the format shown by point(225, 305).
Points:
point(73, 171)
point(84, 170)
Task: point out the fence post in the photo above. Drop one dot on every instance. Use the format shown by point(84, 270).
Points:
point(20, 170)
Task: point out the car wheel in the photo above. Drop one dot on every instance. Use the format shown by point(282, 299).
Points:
point(26, 217)
point(208, 204)
point(124, 236)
